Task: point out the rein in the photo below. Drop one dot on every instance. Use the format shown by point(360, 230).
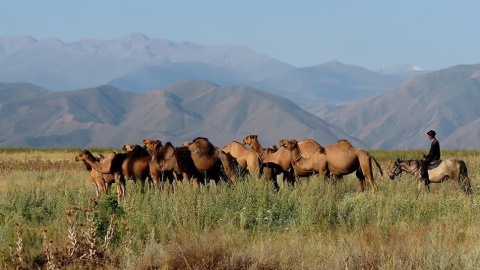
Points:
point(410, 171)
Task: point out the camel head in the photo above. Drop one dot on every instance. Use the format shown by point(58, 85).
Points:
point(84, 155)
point(151, 145)
point(272, 149)
point(130, 147)
point(288, 144)
point(187, 144)
point(248, 139)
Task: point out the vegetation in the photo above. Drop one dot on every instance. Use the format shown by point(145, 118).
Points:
point(49, 220)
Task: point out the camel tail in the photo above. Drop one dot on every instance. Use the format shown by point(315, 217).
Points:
point(376, 162)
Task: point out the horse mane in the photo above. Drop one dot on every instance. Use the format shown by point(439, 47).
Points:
point(409, 161)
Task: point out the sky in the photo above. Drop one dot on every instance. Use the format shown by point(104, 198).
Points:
point(430, 34)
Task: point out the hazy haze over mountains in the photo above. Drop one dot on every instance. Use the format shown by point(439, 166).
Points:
point(60, 66)
point(178, 91)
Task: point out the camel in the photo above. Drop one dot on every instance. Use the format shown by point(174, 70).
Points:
point(131, 165)
point(164, 163)
point(336, 160)
point(193, 162)
point(246, 158)
point(208, 158)
point(101, 182)
point(268, 171)
point(281, 159)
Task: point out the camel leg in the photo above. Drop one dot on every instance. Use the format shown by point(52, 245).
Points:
point(100, 186)
point(95, 186)
point(361, 179)
point(108, 184)
point(155, 179)
point(227, 165)
point(366, 169)
point(120, 181)
point(290, 176)
point(103, 185)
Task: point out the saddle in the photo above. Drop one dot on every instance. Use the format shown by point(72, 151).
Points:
point(434, 164)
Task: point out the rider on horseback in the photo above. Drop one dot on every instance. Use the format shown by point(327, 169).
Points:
point(433, 154)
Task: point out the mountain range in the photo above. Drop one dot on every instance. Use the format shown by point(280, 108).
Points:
point(105, 116)
point(110, 92)
point(138, 63)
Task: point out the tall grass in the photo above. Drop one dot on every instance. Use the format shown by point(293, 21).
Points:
point(49, 220)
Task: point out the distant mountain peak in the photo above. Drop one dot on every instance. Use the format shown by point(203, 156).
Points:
point(136, 37)
point(399, 69)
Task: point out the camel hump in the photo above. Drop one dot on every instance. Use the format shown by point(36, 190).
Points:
point(184, 160)
point(199, 138)
point(202, 146)
point(345, 141)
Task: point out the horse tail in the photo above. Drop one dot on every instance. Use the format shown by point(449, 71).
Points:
point(463, 177)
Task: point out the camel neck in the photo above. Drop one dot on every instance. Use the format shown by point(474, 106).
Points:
point(257, 147)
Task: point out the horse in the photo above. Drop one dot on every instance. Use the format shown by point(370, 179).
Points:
point(451, 168)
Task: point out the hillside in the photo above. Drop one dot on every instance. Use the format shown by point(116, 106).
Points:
point(330, 84)
point(105, 116)
point(445, 101)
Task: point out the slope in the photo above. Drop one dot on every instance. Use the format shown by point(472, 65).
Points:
point(105, 116)
point(444, 100)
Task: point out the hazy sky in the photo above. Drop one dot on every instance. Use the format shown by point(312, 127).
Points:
point(431, 34)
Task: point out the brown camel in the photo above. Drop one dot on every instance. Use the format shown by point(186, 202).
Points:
point(208, 158)
point(337, 160)
point(101, 182)
point(181, 160)
point(281, 159)
point(246, 158)
point(269, 169)
point(131, 165)
point(163, 164)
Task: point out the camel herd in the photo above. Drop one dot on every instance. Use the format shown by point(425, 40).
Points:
point(199, 160)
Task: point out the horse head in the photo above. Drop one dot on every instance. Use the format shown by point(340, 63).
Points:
point(396, 169)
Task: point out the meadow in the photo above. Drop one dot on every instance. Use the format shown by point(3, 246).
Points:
point(51, 219)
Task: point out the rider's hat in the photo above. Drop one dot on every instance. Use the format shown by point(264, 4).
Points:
point(431, 133)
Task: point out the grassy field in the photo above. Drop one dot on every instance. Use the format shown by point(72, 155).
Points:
point(50, 219)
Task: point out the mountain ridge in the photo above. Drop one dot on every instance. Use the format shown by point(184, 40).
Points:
point(443, 100)
point(108, 117)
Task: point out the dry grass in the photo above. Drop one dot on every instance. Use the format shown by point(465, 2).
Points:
point(48, 222)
